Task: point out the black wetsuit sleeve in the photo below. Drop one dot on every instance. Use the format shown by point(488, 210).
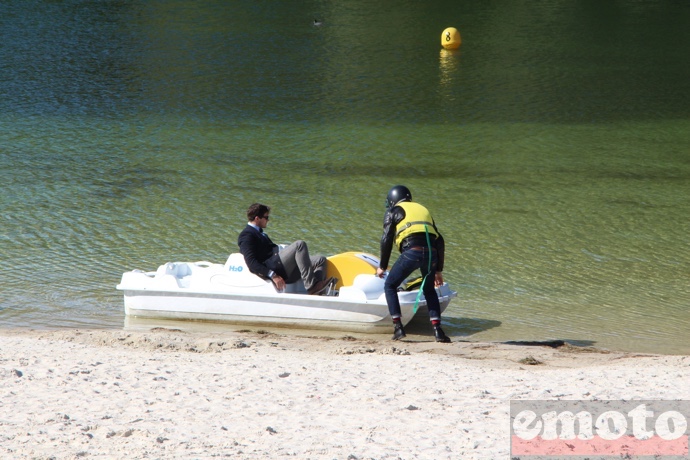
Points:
point(440, 246)
point(390, 222)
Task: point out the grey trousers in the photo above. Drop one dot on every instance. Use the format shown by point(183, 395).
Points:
point(298, 264)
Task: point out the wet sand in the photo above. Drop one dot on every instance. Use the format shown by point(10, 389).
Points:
point(166, 393)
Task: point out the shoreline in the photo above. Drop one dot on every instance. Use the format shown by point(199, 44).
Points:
point(252, 393)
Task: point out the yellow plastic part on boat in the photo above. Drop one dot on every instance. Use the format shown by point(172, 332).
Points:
point(347, 265)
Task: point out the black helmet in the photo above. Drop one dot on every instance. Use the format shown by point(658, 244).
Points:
point(397, 194)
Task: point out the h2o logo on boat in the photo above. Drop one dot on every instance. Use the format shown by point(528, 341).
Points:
point(235, 268)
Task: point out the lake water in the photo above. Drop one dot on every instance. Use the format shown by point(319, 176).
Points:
point(553, 149)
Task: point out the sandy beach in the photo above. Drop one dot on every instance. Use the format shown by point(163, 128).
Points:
point(247, 394)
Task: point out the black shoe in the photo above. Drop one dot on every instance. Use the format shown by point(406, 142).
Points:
point(399, 332)
point(440, 335)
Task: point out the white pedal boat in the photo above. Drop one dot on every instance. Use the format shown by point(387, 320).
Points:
point(204, 291)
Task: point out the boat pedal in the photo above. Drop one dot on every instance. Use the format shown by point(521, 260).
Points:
point(329, 290)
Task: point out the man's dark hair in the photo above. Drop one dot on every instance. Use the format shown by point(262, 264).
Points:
point(257, 209)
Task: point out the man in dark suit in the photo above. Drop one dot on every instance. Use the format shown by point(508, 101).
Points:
point(287, 266)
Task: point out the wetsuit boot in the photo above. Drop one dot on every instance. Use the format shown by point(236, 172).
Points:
point(440, 335)
point(399, 332)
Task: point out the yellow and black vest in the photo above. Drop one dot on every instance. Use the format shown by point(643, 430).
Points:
point(416, 217)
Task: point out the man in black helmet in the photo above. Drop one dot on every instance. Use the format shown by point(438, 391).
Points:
point(410, 226)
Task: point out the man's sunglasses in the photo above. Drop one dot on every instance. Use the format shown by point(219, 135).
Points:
point(264, 217)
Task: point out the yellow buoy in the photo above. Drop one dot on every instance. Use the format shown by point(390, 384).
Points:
point(450, 38)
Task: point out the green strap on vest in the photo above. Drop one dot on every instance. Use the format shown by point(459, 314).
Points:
point(421, 287)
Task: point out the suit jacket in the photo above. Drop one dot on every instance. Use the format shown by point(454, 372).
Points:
point(260, 253)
